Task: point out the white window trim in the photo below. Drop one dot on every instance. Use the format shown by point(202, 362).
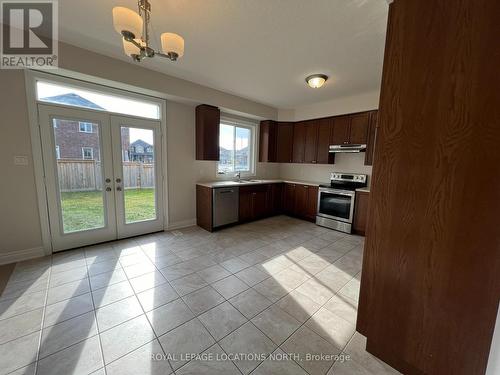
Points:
point(85, 124)
point(241, 123)
point(58, 152)
point(91, 153)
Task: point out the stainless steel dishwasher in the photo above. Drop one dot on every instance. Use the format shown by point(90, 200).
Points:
point(226, 202)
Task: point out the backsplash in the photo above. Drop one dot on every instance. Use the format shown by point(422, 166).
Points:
point(352, 163)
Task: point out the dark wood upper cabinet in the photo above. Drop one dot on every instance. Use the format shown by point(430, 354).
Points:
point(341, 130)
point(268, 133)
point(207, 132)
point(311, 142)
point(358, 133)
point(372, 134)
point(299, 141)
point(284, 142)
point(323, 155)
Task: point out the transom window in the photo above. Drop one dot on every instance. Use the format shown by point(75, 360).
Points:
point(87, 153)
point(236, 148)
point(61, 94)
point(85, 127)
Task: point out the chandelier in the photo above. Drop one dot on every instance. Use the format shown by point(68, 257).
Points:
point(134, 29)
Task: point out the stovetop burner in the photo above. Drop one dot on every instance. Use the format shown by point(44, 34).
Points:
point(346, 181)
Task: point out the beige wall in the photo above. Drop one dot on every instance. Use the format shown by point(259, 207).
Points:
point(353, 163)
point(19, 220)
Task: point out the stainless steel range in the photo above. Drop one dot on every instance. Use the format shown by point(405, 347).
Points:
point(336, 201)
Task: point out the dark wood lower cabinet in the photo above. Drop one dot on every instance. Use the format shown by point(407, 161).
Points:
point(361, 212)
point(204, 207)
point(260, 201)
point(289, 199)
point(301, 201)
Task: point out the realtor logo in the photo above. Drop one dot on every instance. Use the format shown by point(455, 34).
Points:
point(29, 34)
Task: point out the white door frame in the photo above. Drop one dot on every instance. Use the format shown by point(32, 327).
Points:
point(31, 77)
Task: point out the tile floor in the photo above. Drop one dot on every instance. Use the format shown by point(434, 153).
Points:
point(195, 302)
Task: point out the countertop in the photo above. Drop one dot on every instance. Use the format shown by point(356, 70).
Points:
point(216, 184)
point(364, 190)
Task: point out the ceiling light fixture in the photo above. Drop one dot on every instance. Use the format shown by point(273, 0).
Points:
point(316, 80)
point(134, 28)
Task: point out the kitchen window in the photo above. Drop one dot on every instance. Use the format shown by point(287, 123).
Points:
point(85, 127)
point(236, 148)
point(87, 153)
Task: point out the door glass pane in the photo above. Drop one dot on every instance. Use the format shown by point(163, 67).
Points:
point(79, 173)
point(138, 163)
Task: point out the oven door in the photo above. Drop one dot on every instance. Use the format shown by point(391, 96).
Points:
point(336, 204)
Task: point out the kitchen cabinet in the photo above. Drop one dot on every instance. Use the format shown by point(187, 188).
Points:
point(323, 155)
point(341, 128)
point(301, 201)
point(268, 136)
point(284, 142)
point(372, 134)
point(204, 207)
point(207, 132)
point(275, 196)
point(288, 206)
point(351, 129)
point(299, 141)
point(361, 212)
point(358, 133)
point(254, 202)
point(311, 142)
point(312, 203)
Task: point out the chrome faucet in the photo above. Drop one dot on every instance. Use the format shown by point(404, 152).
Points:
point(238, 176)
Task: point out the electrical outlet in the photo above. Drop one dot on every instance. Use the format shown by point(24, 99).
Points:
point(21, 160)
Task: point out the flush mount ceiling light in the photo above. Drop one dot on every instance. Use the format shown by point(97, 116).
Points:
point(134, 28)
point(316, 80)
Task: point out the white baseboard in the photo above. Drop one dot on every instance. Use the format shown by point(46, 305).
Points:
point(181, 224)
point(19, 255)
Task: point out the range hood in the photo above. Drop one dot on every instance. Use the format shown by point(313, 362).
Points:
point(347, 148)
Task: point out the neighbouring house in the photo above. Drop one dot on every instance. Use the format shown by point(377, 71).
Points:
point(141, 151)
point(80, 139)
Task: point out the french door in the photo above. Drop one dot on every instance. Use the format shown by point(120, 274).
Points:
point(103, 175)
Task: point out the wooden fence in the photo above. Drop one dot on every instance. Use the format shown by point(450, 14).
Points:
point(85, 175)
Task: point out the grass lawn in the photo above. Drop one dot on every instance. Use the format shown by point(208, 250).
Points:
point(84, 210)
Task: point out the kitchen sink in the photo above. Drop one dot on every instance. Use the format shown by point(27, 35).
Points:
point(247, 181)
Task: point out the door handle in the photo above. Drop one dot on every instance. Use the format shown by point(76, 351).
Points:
point(108, 189)
point(108, 180)
point(118, 188)
point(118, 180)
